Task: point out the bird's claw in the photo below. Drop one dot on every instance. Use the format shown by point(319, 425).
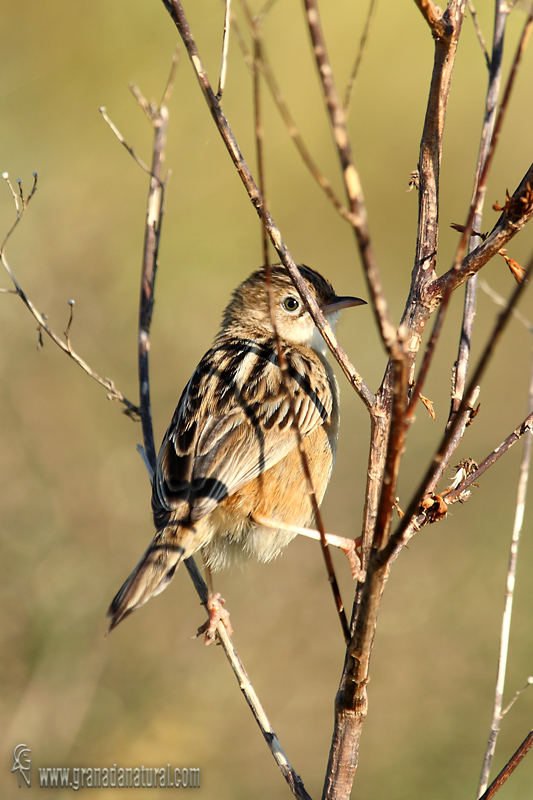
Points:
point(217, 613)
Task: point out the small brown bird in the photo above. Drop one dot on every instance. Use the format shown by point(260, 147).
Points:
point(229, 478)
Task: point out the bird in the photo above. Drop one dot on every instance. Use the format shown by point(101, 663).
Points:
point(229, 479)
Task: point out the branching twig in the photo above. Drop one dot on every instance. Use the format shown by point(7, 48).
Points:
point(525, 427)
point(112, 392)
point(518, 212)
point(478, 197)
point(509, 223)
point(123, 142)
point(465, 405)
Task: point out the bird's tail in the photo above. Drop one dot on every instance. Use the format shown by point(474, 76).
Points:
point(151, 575)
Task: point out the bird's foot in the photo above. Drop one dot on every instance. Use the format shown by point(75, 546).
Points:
point(352, 550)
point(217, 613)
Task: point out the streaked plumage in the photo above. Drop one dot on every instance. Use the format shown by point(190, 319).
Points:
point(230, 453)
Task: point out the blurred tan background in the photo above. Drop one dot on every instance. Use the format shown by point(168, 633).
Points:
point(74, 494)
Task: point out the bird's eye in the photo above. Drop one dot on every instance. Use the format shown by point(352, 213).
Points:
point(291, 304)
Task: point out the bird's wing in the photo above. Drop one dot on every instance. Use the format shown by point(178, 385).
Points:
point(232, 423)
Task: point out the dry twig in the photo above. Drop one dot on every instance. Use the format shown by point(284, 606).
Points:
point(113, 393)
point(498, 712)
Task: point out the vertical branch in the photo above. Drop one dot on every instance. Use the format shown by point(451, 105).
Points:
point(478, 198)
point(255, 23)
point(256, 32)
point(159, 119)
point(351, 179)
point(446, 30)
point(152, 234)
point(225, 47)
point(497, 713)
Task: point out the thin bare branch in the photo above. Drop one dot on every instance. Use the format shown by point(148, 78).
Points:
point(112, 392)
point(152, 234)
point(463, 268)
point(478, 198)
point(171, 77)
point(395, 448)
point(517, 694)
point(294, 781)
point(123, 142)
point(21, 204)
point(525, 427)
point(516, 214)
point(359, 56)
point(351, 179)
point(339, 605)
point(225, 46)
point(500, 301)
point(497, 714)
point(290, 124)
point(509, 768)
point(430, 155)
point(259, 133)
point(479, 32)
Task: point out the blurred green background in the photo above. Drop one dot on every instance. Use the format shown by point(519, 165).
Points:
point(74, 494)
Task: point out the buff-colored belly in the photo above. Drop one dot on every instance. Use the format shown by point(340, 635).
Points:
point(279, 494)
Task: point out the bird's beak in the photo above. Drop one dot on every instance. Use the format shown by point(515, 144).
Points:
point(336, 304)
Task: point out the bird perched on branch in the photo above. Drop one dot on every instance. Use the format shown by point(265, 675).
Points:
point(230, 478)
